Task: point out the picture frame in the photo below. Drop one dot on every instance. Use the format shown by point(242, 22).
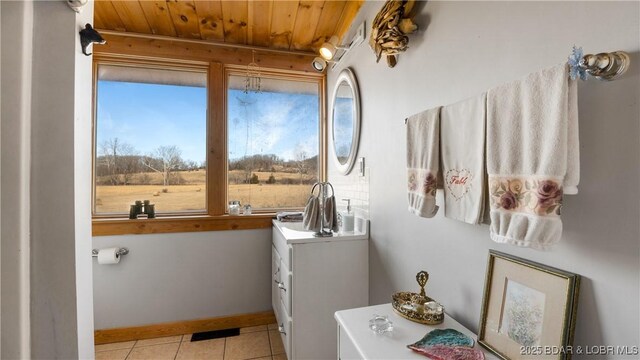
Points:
point(528, 309)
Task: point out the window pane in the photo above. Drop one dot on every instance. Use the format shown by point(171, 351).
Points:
point(150, 141)
point(273, 142)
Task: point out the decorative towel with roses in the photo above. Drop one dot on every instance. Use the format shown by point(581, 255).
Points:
point(532, 156)
point(423, 162)
point(462, 146)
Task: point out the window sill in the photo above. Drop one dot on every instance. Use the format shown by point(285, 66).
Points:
point(163, 225)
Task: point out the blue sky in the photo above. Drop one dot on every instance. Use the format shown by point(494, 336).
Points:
point(272, 123)
point(148, 116)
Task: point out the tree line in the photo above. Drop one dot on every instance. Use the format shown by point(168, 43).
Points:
point(119, 163)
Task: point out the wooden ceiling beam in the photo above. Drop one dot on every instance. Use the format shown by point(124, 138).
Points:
point(141, 46)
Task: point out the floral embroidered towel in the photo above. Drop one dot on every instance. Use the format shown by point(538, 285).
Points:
point(423, 161)
point(532, 156)
point(462, 134)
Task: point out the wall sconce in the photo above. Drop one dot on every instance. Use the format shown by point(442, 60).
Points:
point(331, 52)
point(88, 36)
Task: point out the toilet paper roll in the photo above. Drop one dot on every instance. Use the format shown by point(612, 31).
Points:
point(108, 256)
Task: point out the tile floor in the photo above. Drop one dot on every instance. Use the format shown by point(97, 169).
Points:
point(257, 342)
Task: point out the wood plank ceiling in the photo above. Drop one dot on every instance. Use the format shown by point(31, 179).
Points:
point(275, 24)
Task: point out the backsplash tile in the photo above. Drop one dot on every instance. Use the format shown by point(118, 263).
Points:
point(353, 187)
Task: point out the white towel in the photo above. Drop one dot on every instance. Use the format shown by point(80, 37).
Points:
point(462, 145)
point(423, 161)
point(532, 156)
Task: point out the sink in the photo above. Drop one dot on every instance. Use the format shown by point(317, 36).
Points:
point(294, 232)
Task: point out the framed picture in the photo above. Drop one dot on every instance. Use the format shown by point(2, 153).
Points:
point(528, 309)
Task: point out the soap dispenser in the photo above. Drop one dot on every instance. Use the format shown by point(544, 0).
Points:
point(347, 219)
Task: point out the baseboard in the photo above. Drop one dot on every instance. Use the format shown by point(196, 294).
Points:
point(182, 327)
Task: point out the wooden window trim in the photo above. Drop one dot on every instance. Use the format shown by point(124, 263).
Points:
point(104, 227)
point(215, 218)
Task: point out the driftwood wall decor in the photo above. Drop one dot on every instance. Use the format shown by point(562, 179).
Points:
point(390, 29)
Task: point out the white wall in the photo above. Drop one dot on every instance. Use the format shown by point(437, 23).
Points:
point(61, 293)
point(17, 34)
point(183, 276)
point(462, 49)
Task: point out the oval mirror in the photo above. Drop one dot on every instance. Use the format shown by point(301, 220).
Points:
point(345, 121)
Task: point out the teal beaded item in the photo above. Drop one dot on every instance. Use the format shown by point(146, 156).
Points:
point(448, 337)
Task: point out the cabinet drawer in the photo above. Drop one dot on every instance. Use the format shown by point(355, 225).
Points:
point(275, 276)
point(284, 326)
point(285, 288)
point(281, 246)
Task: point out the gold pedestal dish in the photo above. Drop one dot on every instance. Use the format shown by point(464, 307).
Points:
point(418, 307)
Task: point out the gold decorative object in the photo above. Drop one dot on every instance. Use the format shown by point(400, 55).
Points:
point(418, 307)
point(390, 29)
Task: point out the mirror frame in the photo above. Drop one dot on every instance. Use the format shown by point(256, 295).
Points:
point(349, 77)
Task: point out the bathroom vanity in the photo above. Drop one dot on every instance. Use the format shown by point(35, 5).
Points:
point(312, 279)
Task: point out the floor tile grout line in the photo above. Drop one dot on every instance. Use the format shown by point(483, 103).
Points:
point(179, 346)
point(129, 353)
point(270, 347)
point(164, 343)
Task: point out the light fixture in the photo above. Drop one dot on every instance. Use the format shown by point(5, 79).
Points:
point(328, 49)
point(252, 81)
point(88, 36)
point(331, 52)
point(319, 64)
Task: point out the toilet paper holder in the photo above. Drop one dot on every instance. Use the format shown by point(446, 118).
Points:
point(121, 251)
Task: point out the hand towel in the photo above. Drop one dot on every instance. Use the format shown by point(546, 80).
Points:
point(423, 161)
point(532, 156)
point(311, 217)
point(330, 214)
point(289, 216)
point(462, 148)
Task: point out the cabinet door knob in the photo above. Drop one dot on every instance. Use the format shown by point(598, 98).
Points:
point(281, 329)
point(281, 286)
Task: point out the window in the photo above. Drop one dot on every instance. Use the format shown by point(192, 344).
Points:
point(185, 136)
point(273, 141)
point(150, 139)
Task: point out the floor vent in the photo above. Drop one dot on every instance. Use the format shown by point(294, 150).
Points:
point(217, 334)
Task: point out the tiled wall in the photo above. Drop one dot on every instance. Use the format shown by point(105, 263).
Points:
point(352, 187)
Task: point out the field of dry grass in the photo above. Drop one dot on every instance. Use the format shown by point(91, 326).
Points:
point(192, 195)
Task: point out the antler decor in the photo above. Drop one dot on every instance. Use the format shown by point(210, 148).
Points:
point(390, 28)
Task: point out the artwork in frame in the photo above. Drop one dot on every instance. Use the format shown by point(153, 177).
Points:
point(528, 309)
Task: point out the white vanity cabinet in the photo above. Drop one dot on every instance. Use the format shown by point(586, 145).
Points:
point(312, 279)
point(357, 342)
